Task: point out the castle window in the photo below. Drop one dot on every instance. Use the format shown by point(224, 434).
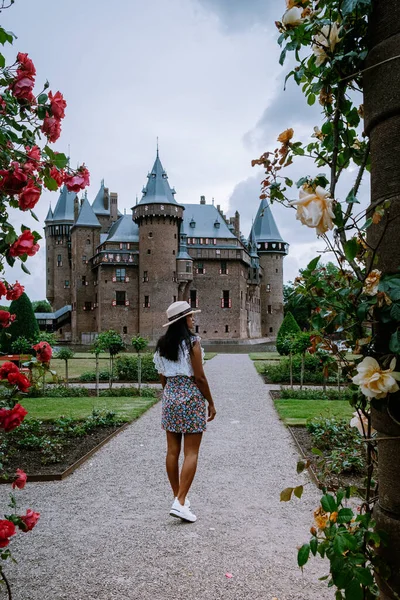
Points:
point(223, 270)
point(226, 302)
point(192, 223)
point(122, 246)
point(218, 252)
point(268, 287)
point(194, 301)
point(271, 330)
point(120, 298)
point(66, 283)
point(146, 302)
point(59, 261)
point(149, 251)
point(269, 309)
point(200, 268)
point(276, 270)
point(215, 241)
point(201, 240)
point(83, 279)
point(173, 252)
point(226, 328)
point(88, 306)
point(175, 235)
point(173, 275)
point(120, 274)
point(59, 239)
point(84, 258)
point(188, 267)
point(174, 300)
point(207, 240)
point(124, 329)
point(95, 299)
point(145, 276)
point(88, 242)
point(150, 234)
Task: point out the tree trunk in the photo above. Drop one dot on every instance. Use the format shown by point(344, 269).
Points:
point(382, 124)
point(291, 370)
point(111, 370)
point(339, 372)
point(302, 370)
point(97, 375)
point(139, 372)
point(66, 374)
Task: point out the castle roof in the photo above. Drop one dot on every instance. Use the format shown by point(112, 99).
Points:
point(204, 221)
point(264, 227)
point(86, 217)
point(64, 210)
point(157, 190)
point(124, 230)
point(49, 215)
point(98, 203)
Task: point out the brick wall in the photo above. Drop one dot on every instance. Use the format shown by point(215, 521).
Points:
point(271, 291)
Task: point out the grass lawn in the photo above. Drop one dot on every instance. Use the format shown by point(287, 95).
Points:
point(78, 408)
point(264, 356)
point(298, 412)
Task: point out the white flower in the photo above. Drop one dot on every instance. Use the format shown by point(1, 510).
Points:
point(314, 209)
point(361, 424)
point(326, 39)
point(371, 283)
point(373, 381)
point(292, 17)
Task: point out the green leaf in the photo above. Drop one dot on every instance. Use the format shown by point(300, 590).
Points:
point(353, 591)
point(312, 265)
point(345, 515)
point(339, 544)
point(34, 216)
point(286, 494)
point(298, 491)
point(395, 311)
point(351, 249)
point(50, 183)
point(50, 153)
point(25, 269)
point(42, 99)
point(6, 36)
point(60, 161)
point(351, 198)
point(301, 465)
point(348, 6)
point(328, 503)
point(364, 576)
point(394, 345)
point(303, 555)
point(282, 56)
point(311, 99)
point(314, 545)
point(317, 451)
point(367, 224)
point(41, 111)
point(2, 61)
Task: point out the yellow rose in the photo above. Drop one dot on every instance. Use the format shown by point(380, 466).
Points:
point(325, 40)
point(361, 424)
point(321, 518)
point(285, 136)
point(333, 517)
point(375, 382)
point(371, 283)
point(292, 17)
point(314, 209)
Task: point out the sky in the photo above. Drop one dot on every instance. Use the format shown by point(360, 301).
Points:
point(201, 75)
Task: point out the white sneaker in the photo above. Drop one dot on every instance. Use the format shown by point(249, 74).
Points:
point(182, 512)
point(187, 502)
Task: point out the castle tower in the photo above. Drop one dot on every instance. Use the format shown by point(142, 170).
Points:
point(58, 250)
point(271, 249)
point(158, 216)
point(105, 207)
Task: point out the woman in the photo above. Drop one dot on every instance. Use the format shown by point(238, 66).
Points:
point(179, 362)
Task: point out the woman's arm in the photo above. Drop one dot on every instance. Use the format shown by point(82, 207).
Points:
point(163, 380)
point(201, 379)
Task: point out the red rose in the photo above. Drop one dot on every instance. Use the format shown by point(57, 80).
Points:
point(29, 520)
point(6, 368)
point(57, 104)
point(43, 351)
point(19, 380)
point(25, 244)
point(51, 128)
point(13, 179)
point(26, 64)
point(6, 319)
point(57, 175)
point(79, 181)
point(22, 88)
point(12, 418)
point(20, 480)
point(14, 291)
point(7, 529)
point(29, 195)
point(3, 106)
point(3, 289)
point(33, 159)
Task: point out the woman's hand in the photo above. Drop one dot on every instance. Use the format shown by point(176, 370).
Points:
point(211, 412)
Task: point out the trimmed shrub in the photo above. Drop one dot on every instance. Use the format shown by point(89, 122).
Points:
point(126, 368)
point(128, 391)
point(58, 391)
point(25, 324)
point(90, 376)
point(330, 394)
point(289, 327)
point(312, 372)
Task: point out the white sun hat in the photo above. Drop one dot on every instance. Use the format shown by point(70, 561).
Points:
point(178, 310)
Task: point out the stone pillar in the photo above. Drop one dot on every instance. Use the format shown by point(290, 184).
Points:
point(382, 124)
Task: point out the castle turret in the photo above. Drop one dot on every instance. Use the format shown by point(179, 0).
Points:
point(184, 265)
point(158, 216)
point(105, 207)
point(271, 249)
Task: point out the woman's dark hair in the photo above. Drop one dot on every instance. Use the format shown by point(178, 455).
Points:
point(168, 345)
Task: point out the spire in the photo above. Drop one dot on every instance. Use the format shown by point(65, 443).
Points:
point(101, 204)
point(157, 190)
point(264, 228)
point(49, 215)
point(157, 146)
point(86, 217)
point(64, 210)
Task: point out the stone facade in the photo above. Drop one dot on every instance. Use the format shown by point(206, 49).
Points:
point(122, 271)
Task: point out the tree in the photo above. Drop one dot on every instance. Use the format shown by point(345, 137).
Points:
point(97, 348)
point(42, 306)
point(139, 343)
point(110, 341)
point(299, 306)
point(65, 354)
point(300, 345)
point(24, 325)
point(288, 328)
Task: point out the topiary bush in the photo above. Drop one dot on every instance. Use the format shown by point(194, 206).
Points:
point(288, 328)
point(127, 368)
point(25, 324)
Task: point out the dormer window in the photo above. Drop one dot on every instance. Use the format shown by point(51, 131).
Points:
point(217, 224)
point(192, 223)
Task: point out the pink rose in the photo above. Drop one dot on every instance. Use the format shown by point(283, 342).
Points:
point(6, 318)
point(3, 289)
point(77, 181)
point(20, 480)
point(7, 529)
point(20, 381)
point(13, 179)
point(57, 104)
point(12, 418)
point(25, 244)
point(6, 368)
point(14, 291)
point(22, 88)
point(51, 128)
point(29, 520)
point(57, 175)
point(43, 351)
point(29, 195)
point(26, 65)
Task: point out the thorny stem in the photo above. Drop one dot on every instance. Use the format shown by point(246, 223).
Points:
point(335, 153)
point(7, 584)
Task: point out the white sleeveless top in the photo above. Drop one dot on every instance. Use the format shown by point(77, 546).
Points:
point(182, 366)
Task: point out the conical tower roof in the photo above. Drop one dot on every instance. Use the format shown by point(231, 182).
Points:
point(124, 230)
point(264, 227)
point(49, 216)
point(86, 217)
point(98, 203)
point(252, 244)
point(64, 210)
point(157, 190)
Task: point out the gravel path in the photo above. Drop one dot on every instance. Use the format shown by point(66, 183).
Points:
point(105, 532)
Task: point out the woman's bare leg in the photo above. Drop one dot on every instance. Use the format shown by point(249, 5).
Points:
point(191, 451)
point(174, 441)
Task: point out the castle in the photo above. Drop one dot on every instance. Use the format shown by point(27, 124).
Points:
point(107, 270)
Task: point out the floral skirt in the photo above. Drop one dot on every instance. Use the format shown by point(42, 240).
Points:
point(183, 406)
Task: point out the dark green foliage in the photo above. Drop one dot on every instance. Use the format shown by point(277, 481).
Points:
point(288, 328)
point(25, 324)
point(127, 392)
point(300, 306)
point(41, 306)
point(90, 376)
point(21, 346)
point(281, 373)
point(58, 391)
point(126, 368)
point(329, 394)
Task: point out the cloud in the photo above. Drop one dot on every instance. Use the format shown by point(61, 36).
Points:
point(238, 15)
